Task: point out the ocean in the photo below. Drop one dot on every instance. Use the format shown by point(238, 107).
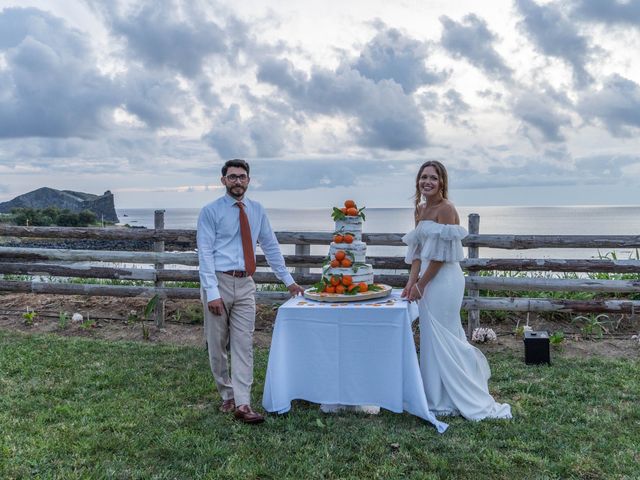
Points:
point(566, 220)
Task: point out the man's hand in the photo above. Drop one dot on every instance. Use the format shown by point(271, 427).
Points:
point(216, 306)
point(295, 289)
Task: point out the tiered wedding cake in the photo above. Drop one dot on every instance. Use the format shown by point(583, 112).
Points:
point(346, 270)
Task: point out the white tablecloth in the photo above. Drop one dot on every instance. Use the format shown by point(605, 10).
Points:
point(346, 353)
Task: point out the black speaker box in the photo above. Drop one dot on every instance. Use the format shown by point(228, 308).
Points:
point(536, 348)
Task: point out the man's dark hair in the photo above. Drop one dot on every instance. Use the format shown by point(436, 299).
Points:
point(236, 162)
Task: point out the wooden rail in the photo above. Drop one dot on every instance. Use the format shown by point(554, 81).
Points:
point(13, 254)
point(507, 242)
point(551, 265)
point(158, 266)
point(177, 275)
point(469, 303)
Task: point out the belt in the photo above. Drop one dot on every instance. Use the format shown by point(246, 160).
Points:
point(237, 273)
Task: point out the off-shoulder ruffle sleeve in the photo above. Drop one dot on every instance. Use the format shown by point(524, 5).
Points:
point(435, 241)
point(443, 243)
point(412, 240)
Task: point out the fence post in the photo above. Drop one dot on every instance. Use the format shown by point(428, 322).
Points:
point(158, 246)
point(473, 316)
point(302, 249)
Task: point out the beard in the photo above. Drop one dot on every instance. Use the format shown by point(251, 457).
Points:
point(236, 191)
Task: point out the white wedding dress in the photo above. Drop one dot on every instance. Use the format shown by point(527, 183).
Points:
point(454, 372)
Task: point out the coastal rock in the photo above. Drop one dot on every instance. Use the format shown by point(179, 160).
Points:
point(102, 205)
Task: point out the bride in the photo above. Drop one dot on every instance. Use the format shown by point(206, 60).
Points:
point(455, 373)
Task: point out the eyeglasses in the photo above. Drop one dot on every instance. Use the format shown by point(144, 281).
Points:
point(234, 178)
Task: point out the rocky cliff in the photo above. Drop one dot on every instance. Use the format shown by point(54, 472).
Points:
point(101, 205)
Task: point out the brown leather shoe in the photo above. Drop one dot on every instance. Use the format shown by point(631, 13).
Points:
point(246, 415)
point(228, 406)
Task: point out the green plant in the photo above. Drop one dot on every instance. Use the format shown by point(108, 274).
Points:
point(556, 338)
point(593, 325)
point(28, 316)
point(15, 277)
point(149, 307)
point(52, 216)
point(88, 323)
point(182, 284)
point(63, 319)
point(190, 314)
point(271, 287)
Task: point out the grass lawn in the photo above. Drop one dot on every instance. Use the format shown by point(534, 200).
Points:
point(81, 408)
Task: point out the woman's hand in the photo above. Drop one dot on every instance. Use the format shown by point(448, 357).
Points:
point(415, 293)
point(407, 289)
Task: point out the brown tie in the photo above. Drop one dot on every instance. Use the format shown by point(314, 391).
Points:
point(247, 242)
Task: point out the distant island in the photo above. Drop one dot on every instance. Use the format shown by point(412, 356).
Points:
point(101, 205)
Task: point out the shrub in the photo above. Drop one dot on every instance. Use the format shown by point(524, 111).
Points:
point(86, 217)
point(52, 216)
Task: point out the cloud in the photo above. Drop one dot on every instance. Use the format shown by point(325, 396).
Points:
point(174, 51)
point(611, 167)
point(50, 86)
point(616, 105)
point(514, 171)
point(454, 106)
point(385, 117)
point(307, 174)
point(538, 111)
point(490, 94)
point(392, 55)
point(262, 135)
point(166, 34)
point(553, 167)
point(472, 40)
point(610, 12)
point(556, 35)
point(450, 105)
point(154, 99)
point(124, 151)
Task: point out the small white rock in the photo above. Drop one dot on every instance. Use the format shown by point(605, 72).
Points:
point(368, 409)
point(331, 407)
point(76, 317)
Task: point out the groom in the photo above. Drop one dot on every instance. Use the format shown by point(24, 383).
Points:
point(228, 230)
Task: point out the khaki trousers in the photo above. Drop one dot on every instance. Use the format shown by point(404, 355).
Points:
point(232, 332)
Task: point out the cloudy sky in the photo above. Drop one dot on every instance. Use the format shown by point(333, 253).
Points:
point(527, 102)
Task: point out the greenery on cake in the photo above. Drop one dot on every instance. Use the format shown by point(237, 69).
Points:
point(357, 266)
point(349, 210)
point(343, 285)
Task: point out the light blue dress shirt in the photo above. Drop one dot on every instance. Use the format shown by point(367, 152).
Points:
point(220, 244)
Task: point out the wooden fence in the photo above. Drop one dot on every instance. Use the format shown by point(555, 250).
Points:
point(169, 267)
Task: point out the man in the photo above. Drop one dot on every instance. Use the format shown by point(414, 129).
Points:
point(228, 230)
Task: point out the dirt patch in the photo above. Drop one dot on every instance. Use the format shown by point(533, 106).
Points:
point(115, 319)
point(574, 347)
point(111, 318)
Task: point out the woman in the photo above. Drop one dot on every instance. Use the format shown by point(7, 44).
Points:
point(455, 374)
